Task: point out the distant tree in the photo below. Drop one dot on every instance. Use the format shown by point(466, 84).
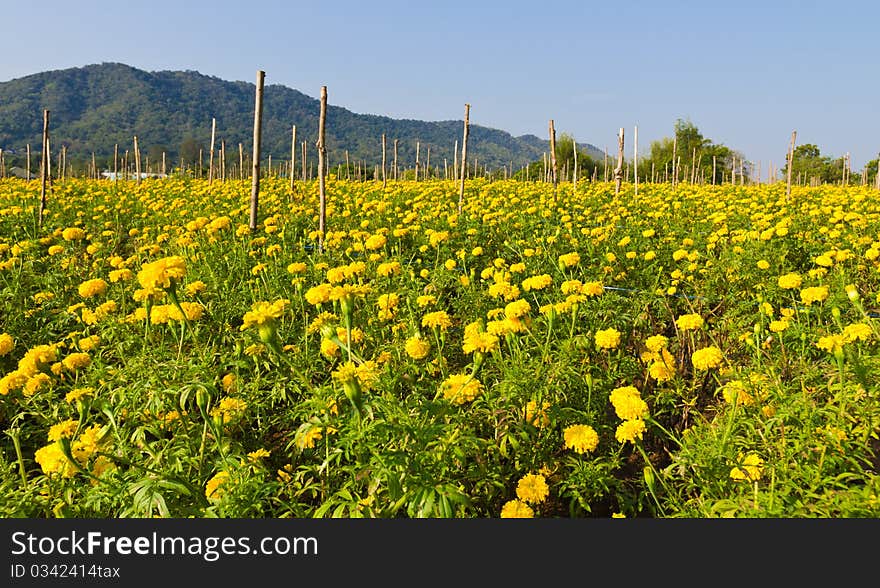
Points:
point(189, 150)
point(809, 166)
point(691, 148)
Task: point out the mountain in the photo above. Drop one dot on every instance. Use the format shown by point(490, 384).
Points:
point(95, 107)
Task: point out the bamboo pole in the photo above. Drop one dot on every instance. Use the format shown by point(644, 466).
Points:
point(455, 161)
point(137, 161)
point(394, 166)
point(636, 158)
point(44, 172)
point(674, 154)
point(28, 161)
point(255, 173)
point(384, 179)
point(292, 157)
point(417, 161)
point(240, 161)
point(618, 171)
point(115, 163)
point(606, 164)
point(554, 171)
point(322, 164)
point(790, 164)
point(211, 156)
point(94, 166)
point(467, 111)
point(574, 176)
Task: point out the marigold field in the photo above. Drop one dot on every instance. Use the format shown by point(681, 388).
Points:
point(687, 351)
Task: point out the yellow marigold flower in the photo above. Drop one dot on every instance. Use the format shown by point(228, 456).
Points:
point(687, 322)
point(814, 294)
point(537, 282)
point(262, 313)
point(592, 289)
point(656, 342)
point(734, 392)
point(517, 309)
point(569, 259)
point(214, 486)
point(857, 332)
point(228, 382)
point(375, 242)
point(78, 394)
point(662, 370)
point(388, 268)
point(461, 388)
point(580, 438)
point(307, 437)
point(7, 343)
point(14, 380)
point(329, 349)
point(37, 358)
point(479, 341)
point(90, 288)
point(416, 347)
point(196, 287)
point(73, 234)
point(607, 338)
point(323, 318)
point(831, 343)
point(516, 509)
point(76, 361)
point(163, 273)
point(53, 461)
point(750, 470)
point(763, 264)
point(229, 409)
point(629, 431)
point(55, 250)
point(88, 343)
point(824, 260)
point(535, 415)
point(425, 300)
point(439, 319)
point(628, 404)
point(778, 326)
point(789, 281)
point(259, 454)
point(63, 430)
point(707, 358)
point(532, 488)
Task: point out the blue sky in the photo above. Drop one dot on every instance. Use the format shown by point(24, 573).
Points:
point(746, 73)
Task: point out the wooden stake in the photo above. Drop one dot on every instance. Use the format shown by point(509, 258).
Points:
point(455, 161)
point(636, 158)
point(292, 157)
point(137, 161)
point(574, 177)
point(384, 180)
point(790, 164)
point(467, 111)
point(674, 155)
point(394, 167)
point(417, 161)
point(554, 171)
point(28, 161)
point(240, 161)
point(44, 172)
point(255, 173)
point(618, 171)
point(322, 164)
point(211, 157)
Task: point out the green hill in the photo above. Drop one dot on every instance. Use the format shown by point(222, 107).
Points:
point(95, 107)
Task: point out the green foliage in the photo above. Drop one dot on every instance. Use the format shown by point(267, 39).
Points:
point(97, 107)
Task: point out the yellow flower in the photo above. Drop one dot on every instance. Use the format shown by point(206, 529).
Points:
point(751, 470)
point(263, 313)
point(707, 358)
point(656, 342)
point(857, 332)
point(516, 509)
point(687, 322)
point(831, 343)
point(438, 319)
point(76, 361)
point(163, 273)
point(319, 294)
point(607, 338)
point(63, 430)
point(532, 488)
point(91, 288)
point(416, 347)
point(778, 326)
point(6, 344)
point(196, 287)
point(213, 488)
point(77, 394)
point(461, 388)
point(73, 234)
point(479, 341)
point(628, 403)
point(53, 461)
point(580, 438)
point(569, 259)
point(789, 281)
point(630, 431)
point(517, 309)
point(814, 294)
point(536, 416)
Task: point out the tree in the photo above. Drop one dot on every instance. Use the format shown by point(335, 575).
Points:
point(189, 150)
point(810, 166)
point(688, 144)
